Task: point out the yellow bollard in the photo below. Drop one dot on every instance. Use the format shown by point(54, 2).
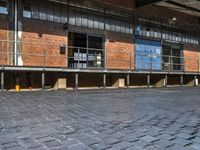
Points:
point(17, 88)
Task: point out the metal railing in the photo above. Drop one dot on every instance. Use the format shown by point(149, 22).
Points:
point(35, 54)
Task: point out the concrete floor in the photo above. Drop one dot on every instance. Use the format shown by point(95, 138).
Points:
point(134, 119)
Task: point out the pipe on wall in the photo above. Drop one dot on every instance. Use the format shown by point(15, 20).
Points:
point(15, 31)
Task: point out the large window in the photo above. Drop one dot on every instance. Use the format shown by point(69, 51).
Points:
point(78, 17)
point(152, 55)
point(172, 57)
point(157, 33)
point(3, 7)
point(148, 55)
point(85, 51)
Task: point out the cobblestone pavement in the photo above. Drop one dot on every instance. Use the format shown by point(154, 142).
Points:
point(134, 119)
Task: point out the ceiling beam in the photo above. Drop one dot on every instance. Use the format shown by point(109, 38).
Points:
point(184, 6)
point(140, 3)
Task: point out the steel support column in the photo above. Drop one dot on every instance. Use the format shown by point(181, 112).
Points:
point(195, 80)
point(148, 80)
point(166, 80)
point(181, 80)
point(2, 81)
point(128, 80)
point(76, 81)
point(43, 80)
point(104, 80)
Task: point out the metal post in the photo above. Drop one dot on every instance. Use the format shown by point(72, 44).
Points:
point(2, 81)
point(166, 80)
point(43, 80)
point(195, 80)
point(2, 53)
point(76, 81)
point(104, 80)
point(15, 32)
point(148, 80)
point(181, 80)
point(128, 80)
point(44, 58)
point(78, 58)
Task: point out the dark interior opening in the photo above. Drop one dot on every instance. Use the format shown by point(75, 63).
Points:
point(85, 51)
point(172, 57)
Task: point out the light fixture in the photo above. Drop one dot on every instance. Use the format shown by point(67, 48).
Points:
point(172, 20)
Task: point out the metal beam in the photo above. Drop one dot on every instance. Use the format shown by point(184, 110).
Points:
point(140, 3)
point(183, 6)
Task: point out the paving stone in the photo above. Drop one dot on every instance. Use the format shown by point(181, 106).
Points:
point(185, 136)
point(177, 147)
point(146, 119)
point(46, 139)
point(38, 148)
point(122, 145)
point(119, 135)
point(195, 146)
point(182, 142)
point(166, 137)
point(134, 148)
point(51, 144)
point(164, 143)
point(101, 146)
point(141, 144)
point(149, 139)
point(78, 147)
point(111, 140)
point(197, 139)
point(10, 145)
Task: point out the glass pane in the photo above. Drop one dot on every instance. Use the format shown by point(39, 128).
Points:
point(56, 15)
point(84, 20)
point(78, 18)
point(42, 14)
point(50, 14)
point(3, 7)
point(95, 42)
point(96, 22)
point(27, 12)
point(35, 11)
point(63, 15)
point(90, 21)
point(72, 19)
point(101, 23)
point(107, 24)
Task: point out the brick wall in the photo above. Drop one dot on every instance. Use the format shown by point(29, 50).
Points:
point(119, 51)
point(3, 40)
point(43, 38)
point(191, 58)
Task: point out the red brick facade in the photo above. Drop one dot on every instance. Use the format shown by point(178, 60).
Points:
point(41, 44)
point(191, 58)
point(119, 51)
point(4, 31)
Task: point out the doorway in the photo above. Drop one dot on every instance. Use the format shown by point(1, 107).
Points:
point(85, 50)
